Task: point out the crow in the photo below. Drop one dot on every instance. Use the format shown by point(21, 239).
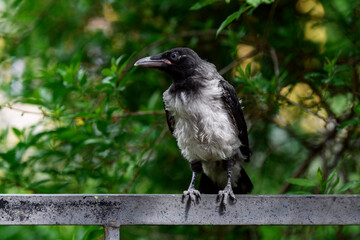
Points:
point(204, 114)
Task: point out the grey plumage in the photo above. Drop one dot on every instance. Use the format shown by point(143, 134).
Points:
point(203, 128)
point(204, 115)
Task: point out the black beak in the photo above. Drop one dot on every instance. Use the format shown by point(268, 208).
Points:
point(152, 62)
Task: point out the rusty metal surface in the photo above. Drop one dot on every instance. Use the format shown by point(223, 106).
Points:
point(117, 210)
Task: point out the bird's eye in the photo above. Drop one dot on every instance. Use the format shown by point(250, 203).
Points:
point(174, 56)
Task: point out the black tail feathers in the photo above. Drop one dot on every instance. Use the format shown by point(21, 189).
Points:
point(207, 186)
point(244, 184)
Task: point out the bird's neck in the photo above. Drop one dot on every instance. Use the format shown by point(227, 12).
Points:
point(189, 85)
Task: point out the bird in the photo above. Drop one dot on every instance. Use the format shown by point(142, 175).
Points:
point(205, 116)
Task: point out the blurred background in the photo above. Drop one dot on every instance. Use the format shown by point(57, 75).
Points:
point(77, 117)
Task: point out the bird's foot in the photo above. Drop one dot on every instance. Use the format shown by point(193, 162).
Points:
point(194, 195)
point(224, 195)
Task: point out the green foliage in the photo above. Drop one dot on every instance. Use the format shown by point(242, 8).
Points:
point(303, 182)
point(97, 123)
point(325, 186)
point(256, 3)
point(202, 4)
point(232, 17)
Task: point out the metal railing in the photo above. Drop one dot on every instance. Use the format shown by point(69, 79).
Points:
point(115, 210)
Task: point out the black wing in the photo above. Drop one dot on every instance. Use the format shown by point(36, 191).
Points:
point(170, 120)
point(233, 105)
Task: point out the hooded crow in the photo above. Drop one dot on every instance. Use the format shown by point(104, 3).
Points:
point(204, 114)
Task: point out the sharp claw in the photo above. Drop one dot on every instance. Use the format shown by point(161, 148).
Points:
point(225, 199)
point(183, 197)
point(193, 198)
point(224, 195)
point(219, 197)
point(194, 195)
point(224, 207)
point(232, 196)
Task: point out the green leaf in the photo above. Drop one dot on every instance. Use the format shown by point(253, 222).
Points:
point(327, 184)
point(109, 80)
point(357, 109)
point(347, 186)
point(256, 3)
point(82, 78)
point(319, 176)
point(248, 70)
point(231, 18)
point(348, 123)
point(9, 156)
point(301, 182)
point(202, 4)
point(118, 60)
point(241, 72)
point(37, 183)
point(125, 63)
point(113, 61)
point(106, 72)
point(313, 75)
point(332, 186)
point(17, 132)
point(93, 141)
point(333, 172)
point(113, 68)
point(104, 85)
point(93, 232)
point(343, 68)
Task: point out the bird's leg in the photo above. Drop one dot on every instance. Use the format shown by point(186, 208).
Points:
point(223, 195)
point(194, 195)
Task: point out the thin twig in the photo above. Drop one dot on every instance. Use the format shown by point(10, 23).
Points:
point(24, 111)
point(275, 62)
point(323, 103)
point(270, 19)
point(236, 61)
point(139, 113)
point(327, 120)
point(130, 114)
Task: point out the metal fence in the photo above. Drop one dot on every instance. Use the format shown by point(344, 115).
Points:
point(113, 211)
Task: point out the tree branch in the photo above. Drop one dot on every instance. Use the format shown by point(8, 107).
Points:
point(327, 120)
point(270, 19)
point(9, 106)
point(139, 113)
point(238, 60)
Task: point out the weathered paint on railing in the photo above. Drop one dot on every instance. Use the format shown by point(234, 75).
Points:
point(112, 211)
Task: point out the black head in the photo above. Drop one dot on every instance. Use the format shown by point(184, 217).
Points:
point(180, 63)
